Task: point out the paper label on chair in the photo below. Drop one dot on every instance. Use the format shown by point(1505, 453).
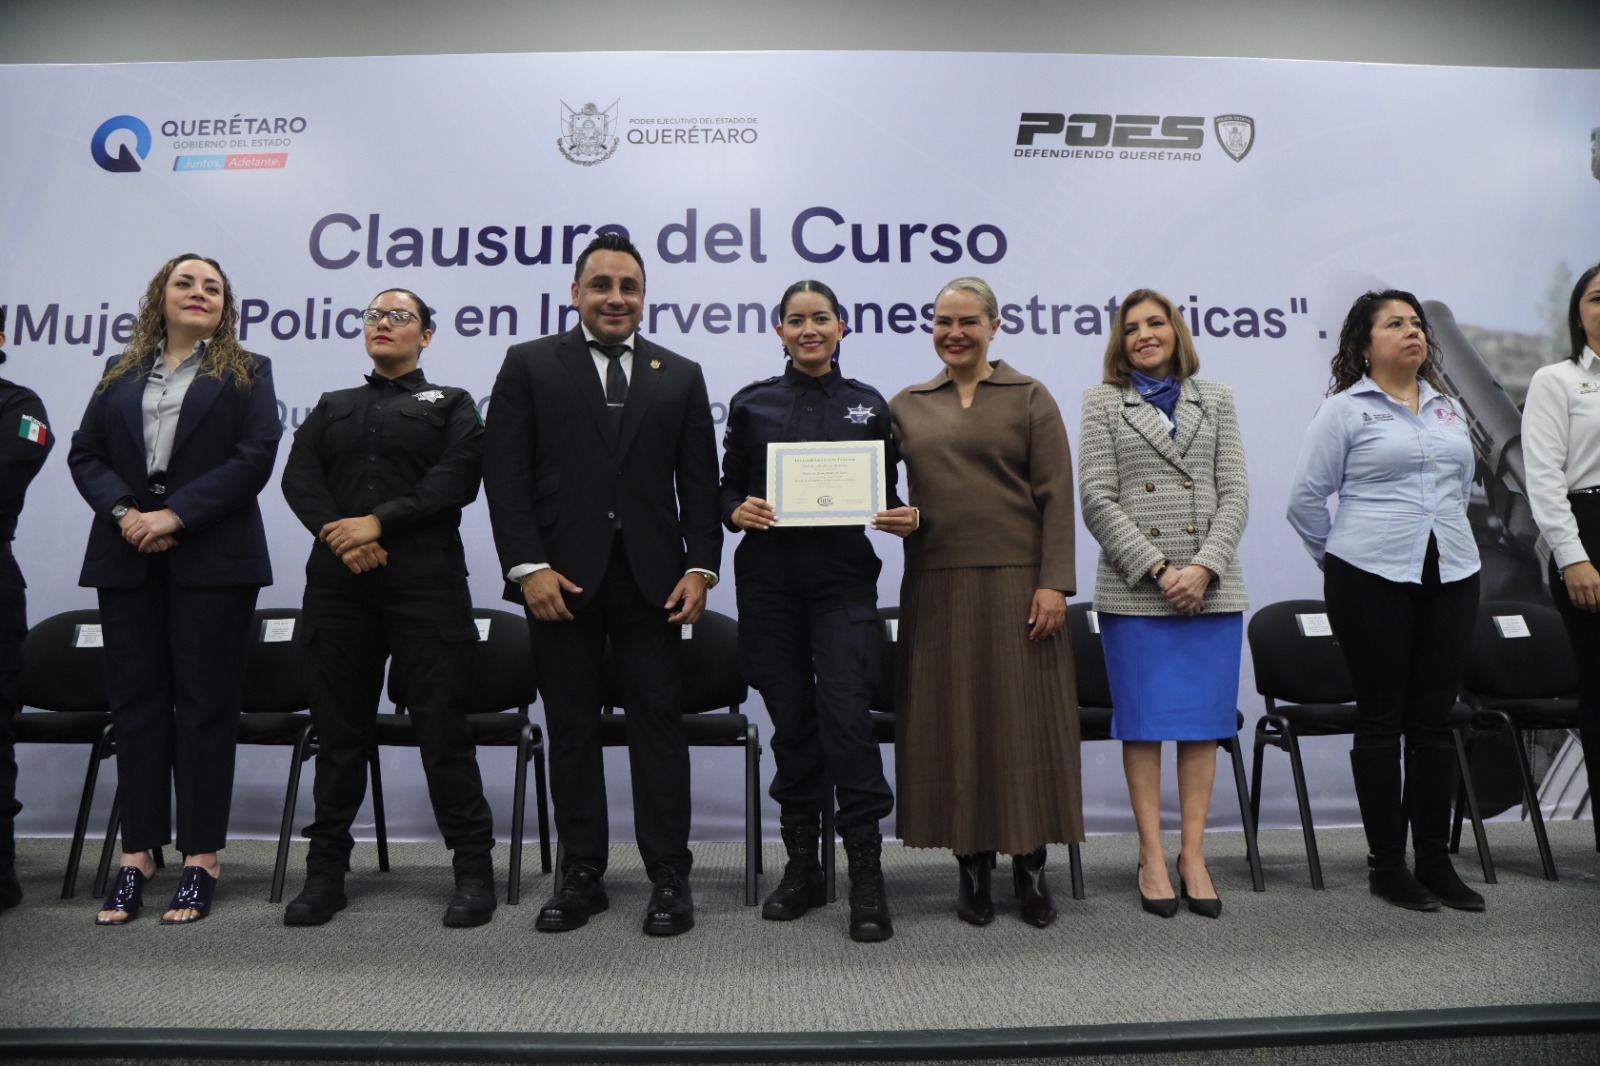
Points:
point(87, 636)
point(483, 628)
point(277, 630)
point(1314, 625)
point(1512, 625)
point(1094, 620)
point(893, 626)
point(688, 633)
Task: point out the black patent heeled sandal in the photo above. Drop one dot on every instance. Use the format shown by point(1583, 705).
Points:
point(196, 888)
point(126, 895)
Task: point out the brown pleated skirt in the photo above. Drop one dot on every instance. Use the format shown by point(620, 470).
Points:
point(986, 747)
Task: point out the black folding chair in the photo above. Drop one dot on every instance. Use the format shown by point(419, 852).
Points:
point(1301, 674)
point(1094, 723)
point(1521, 677)
point(498, 710)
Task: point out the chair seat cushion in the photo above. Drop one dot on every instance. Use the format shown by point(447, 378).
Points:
point(494, 728)
point(1318, 719)
point(710, 728)
point(272, 727)
point(1094, 723)
point(1538, 713)
point(882, 727)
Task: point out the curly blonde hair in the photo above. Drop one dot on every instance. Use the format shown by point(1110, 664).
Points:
point(223, 355)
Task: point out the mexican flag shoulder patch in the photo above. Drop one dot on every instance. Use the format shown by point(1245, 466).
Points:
point(33, 429)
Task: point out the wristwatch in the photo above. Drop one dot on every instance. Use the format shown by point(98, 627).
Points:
point(118, 510)
point(1156, 577)
point(709, 579)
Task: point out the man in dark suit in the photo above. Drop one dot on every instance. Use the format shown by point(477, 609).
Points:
point(601, 473)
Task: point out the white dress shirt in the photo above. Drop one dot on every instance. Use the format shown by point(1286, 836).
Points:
point(1561, 448)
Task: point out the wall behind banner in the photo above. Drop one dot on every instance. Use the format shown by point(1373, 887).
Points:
point(1336, 188)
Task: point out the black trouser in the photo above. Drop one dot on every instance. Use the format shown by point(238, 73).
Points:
point(1405, 645)
point(1583, 632)
point(417, 609)
point(175, 663)
point(569, 658)
point(13, 627)
point(811, 643)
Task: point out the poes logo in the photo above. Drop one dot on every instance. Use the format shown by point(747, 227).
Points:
point(1149, 138)
point(123, 162)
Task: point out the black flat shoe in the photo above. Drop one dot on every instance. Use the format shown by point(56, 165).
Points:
point(127, 896)
point(582, 894)
point(196, 888)
point(1161, 908)
point(671, 907)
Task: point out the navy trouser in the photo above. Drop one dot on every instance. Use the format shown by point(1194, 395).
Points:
point(811, 643)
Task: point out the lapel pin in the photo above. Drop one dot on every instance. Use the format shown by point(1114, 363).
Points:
point(655, 364)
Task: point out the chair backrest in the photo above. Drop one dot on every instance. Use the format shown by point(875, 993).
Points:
point(1088, 657)
point(503, 678)
point(1297, 659)
point(1520, 651)
point(712, 680)
point(63, 664)
point(274, 677)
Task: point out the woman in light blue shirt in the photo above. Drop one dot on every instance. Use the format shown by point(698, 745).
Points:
point(1400, 576)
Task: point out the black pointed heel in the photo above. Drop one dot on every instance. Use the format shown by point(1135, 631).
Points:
point(1161, 908)
point(1205, 908)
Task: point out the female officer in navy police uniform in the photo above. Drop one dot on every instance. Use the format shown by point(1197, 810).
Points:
point(25, 440)
point(379, 475)
point(809, 636)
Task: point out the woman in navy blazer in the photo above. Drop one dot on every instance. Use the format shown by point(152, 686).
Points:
point(177, 441)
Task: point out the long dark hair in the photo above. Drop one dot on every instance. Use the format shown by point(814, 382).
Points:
point(1580, 340)
point(1349, 363)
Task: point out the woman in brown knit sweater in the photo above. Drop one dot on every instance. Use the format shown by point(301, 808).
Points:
point(986, 759)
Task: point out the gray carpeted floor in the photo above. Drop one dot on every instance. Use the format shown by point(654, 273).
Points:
point(387, 964)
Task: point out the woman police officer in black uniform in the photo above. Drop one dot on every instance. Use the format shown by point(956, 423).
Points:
point(379, 475)
point(809, 636)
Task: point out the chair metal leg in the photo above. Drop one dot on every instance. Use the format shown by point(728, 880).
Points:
point(1252, 852)
point(542, 806)
point(1470, 791)
point(752, 812)
point(108, 846)
point(830, 861)
point(519, 800)
point(1255, 777)
point(1075, 864)
point(69, 885)
point(1303, 797)
point(379, 824)
point(1530, 795)
point(291, 801)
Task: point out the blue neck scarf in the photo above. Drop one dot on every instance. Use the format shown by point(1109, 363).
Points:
point(1163, 393)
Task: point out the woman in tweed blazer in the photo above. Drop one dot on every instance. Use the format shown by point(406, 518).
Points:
point(1161, 478)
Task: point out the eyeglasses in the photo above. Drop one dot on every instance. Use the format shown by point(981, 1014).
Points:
point(398, 317)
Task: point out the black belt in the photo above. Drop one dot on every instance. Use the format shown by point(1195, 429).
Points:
point(1592, 490)
point(158, 484)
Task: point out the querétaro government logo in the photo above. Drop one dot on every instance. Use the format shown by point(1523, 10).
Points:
point(123, 162)
point(588, 135)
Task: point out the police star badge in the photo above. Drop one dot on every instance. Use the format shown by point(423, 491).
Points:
point(860, 415)
point(430, 396)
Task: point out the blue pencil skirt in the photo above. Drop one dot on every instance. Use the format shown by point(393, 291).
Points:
point(1173, 678)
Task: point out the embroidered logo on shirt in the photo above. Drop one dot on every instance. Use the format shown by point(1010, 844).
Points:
point(33, 429)
point(1447, 417)
point(1368, 416)
point(1588, 388)
point(860, 415)
point(430, 396)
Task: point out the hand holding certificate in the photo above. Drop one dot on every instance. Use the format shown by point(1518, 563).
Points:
point(826, 483)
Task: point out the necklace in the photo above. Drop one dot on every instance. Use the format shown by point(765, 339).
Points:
point(1409, 401)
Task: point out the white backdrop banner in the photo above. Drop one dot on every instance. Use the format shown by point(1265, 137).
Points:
point(1261, 195)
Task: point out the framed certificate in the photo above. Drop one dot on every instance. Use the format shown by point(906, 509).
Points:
point(826, 483)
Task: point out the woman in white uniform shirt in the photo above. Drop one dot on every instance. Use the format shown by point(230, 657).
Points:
point(1400, 575)
point(1561, 446)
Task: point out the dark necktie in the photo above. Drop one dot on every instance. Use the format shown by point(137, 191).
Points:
point(616, 381)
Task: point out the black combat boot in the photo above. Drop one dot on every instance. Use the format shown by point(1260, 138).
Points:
point(869, 902)
point(802, 885)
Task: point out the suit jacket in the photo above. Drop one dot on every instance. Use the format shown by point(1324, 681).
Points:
point(222, 457)
point(558, 477)
point(1147, 496)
